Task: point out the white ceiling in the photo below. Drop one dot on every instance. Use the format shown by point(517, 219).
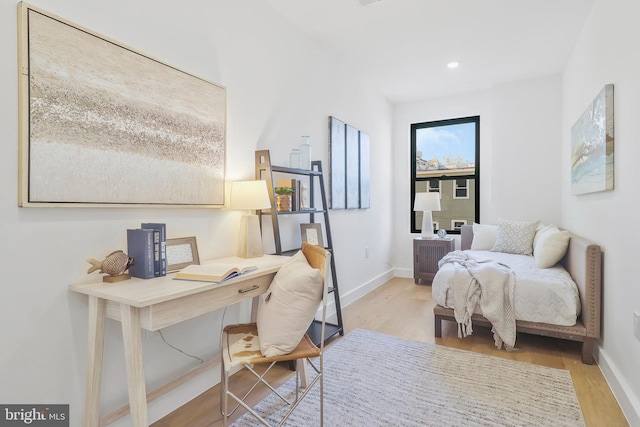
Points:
point(403, 46)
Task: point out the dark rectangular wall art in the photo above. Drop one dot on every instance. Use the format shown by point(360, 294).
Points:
point(349, 166)
point(102, 124)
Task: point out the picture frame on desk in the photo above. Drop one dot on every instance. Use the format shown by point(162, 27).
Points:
point(181, 252)
point(312, 233)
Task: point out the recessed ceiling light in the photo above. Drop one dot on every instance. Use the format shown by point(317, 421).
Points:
point(453, 64)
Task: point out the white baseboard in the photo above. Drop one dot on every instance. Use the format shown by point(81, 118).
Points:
point(403, 272)
point(355, 294)
point(629, 403)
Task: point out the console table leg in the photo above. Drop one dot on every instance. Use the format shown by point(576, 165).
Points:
point(95, 354)
point(130, 317)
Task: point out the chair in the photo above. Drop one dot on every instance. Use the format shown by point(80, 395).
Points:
point(241, 347)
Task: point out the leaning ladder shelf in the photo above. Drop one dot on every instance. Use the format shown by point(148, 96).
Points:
point(265, 170)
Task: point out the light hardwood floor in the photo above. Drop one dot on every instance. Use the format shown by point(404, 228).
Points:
point(403, 309)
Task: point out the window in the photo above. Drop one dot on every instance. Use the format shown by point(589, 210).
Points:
point(445, 158)
point(461, 189)
point(457, 223)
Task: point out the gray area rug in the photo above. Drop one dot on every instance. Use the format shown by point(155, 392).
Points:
point(372, 379)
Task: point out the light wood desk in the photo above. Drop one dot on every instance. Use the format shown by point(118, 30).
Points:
point(154, 304)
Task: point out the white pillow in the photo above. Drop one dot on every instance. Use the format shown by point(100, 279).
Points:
point(484, 237)
point(515, 237)
point(289, 306)
point(537, 235)
point(550, 246)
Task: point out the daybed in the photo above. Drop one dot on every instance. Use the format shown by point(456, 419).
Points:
point(583, 262)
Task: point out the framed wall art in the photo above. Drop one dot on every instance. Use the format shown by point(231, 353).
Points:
point(103, 124)
point(353, 168)
point(349, 166)
point(181, 252)
point(337, 164)
point(365, 171)
point(592, 138)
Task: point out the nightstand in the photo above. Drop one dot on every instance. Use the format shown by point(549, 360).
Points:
point(427, 253)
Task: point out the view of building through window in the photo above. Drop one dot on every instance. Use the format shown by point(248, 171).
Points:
point(445, 159)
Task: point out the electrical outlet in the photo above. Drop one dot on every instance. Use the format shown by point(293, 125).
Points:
point(636, 325)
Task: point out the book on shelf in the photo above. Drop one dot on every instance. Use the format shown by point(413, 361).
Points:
point(294, 184)
point(141, 247)
point(160, 251)
point(215, 272)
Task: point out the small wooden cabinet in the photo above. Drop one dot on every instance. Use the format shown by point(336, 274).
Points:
point(427, 253)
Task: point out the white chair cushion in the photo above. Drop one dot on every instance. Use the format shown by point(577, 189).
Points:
point(550, 245)
point(289, 306)
point(515, 237)
point(484, 237)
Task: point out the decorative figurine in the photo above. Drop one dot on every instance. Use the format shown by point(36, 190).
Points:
point(115, 265)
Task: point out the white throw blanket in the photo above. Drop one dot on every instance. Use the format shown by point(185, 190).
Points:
point(489, 283)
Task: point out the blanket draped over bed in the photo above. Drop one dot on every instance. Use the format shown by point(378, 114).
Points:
point(489, 283)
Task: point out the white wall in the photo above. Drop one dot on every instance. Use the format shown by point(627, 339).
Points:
point(526, 155)
point(607, 53)
point(280, 86)
point(519, 138)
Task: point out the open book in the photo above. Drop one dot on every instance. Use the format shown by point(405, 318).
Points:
point(212, 272)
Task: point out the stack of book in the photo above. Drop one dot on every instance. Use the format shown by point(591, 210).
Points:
point(147, 246)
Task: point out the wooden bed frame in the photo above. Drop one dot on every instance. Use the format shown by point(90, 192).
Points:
point(583, 261)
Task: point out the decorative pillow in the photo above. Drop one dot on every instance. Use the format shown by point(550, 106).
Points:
point(515, 237)
point(484, 237)
point(289, 306)
point(550, 246)
point(537, 236)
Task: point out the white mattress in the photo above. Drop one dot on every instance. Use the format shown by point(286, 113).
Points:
point(547, 295)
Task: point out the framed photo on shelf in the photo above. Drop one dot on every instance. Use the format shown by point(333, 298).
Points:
point(181, 252)
point(312, 233)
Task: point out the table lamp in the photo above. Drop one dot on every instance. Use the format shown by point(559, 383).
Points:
point(427, 202)
point(249, 195)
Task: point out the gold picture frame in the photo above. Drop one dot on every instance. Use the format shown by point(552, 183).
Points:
point(102, 124)
point(181, 252)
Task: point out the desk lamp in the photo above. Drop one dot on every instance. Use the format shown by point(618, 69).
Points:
point(249, 195)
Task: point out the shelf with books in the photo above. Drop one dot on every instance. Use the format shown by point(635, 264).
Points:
point(307, 183)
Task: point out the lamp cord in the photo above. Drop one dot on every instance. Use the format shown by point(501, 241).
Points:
point(224, 312)
point(177, 349)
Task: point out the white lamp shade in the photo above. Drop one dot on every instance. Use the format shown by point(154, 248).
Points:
point(249, 195)
point(427, 202)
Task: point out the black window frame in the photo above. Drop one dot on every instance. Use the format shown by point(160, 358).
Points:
point(444, 177)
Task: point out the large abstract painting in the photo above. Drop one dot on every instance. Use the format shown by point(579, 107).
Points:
point(592, 146)
point(102, 124)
